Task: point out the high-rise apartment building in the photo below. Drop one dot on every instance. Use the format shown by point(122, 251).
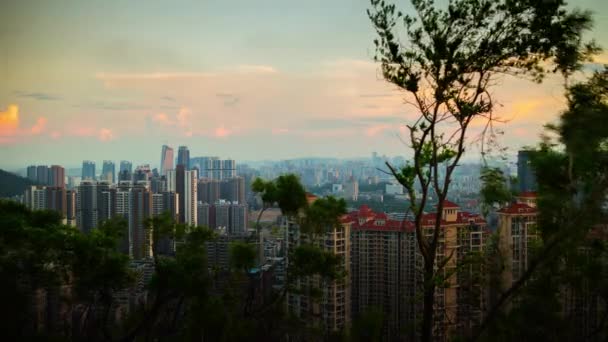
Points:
point(140, 209)
point(233, 189)
point(88, 170)
point(125, 172)
point(183, 157)
point(333, 307)
point(126, 165)
point(237, 221)
point(31, 173)
point(56, 200)
point(203, 212)
point(42, 175)
point(108, 171)
point(216, 169)
point(228, 168)
point(384, 270)
point(209, 190)
point(35, 197)
point(459, 306)
point(525, 173)
point(516, 234)
point(186, 187)
point(57, 176)
point(70, 202)
point(86, 206)
point(166, 160)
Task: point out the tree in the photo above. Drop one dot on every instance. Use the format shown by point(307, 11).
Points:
point(494, 188)
point(572, 174)
point(446, 60)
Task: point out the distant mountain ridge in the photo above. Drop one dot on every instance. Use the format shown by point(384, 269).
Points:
point(12, 184)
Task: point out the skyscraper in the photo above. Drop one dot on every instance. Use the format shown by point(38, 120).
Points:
point(35, 197)
point(140, 208)
point(42, 175)
point(383, 269)
point(237, 223)
point(186, 188)
point(204, 165)
point(88, 170)
point(86, 206)
point(209, 190)
point(56, 200)
point(216, 169)
point(228, 168)
point(166, 160)
point(126, 166)
point(126, 171)
point(108, 171)
point(233, 189)
point(183, 157)
point(70, 213)
point(57, 176)
point(31, 173)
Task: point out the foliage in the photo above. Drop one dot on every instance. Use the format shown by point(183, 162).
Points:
point(242, 255)
point(494, 188)
point(323, 214)
point(12, 185)
point(368, 326)
point(446, 59)
point(572, 186)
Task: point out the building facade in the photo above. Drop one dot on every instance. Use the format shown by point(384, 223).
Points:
point(384, 264)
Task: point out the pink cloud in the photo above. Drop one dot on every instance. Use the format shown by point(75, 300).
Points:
point(183, 117)
point(9, 121)
point(279, 131)
point(105, 134)
point(40, 126)
point(374, 130)
point(221, 132)
point(55, 134)
point(163, 119)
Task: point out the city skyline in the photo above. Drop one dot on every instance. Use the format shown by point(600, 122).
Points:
point(192, 75)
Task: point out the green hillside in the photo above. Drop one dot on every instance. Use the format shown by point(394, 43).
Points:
point(11, 184)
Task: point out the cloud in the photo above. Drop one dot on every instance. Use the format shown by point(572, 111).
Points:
point(10, 125)
point(105, 134)
point(113, 106)
point(40, 126)
point(183, 117)
point(158, 76)
point(9, 121)
point(261, 69)
point(279, 131)
point(55, 134)
point(37, 96)
point(163, 119)
point(188, 75)
point(221, 132)
point(229, 99)
point(374, 130)
point(168, 98)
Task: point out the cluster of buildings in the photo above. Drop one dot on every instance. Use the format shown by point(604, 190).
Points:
point(217, 201)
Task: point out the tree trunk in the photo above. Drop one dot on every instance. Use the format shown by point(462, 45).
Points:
point(429, 304)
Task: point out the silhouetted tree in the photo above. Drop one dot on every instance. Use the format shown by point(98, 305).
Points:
point(446, 59)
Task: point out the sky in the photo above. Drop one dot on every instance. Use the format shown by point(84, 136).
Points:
point(240, 79)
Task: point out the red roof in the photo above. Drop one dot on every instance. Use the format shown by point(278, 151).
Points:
point(366, 219)
point(448, 204)
point(527, 194)
point(518, 208)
